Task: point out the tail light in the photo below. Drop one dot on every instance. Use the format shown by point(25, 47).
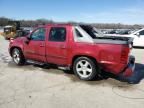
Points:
point(124, 55)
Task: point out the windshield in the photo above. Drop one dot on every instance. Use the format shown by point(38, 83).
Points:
point(92, 31)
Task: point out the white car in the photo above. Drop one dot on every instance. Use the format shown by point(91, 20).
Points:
point(138, 37)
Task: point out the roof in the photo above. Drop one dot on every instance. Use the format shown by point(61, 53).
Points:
point(62, 24)
point(59, 24)
point(8, 26)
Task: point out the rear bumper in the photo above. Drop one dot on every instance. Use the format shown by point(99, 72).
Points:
point(129, 70)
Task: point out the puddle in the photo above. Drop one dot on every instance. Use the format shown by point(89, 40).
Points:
point(4, 58)
point(129, 92)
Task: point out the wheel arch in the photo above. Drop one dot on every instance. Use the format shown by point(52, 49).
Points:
point(11, 49)
point(77, 56)
point(96, 68)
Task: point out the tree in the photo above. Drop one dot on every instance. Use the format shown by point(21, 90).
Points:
point(4, 21)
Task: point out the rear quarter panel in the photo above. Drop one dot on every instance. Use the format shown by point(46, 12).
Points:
point(108, 56)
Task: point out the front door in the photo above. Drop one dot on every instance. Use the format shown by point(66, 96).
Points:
point(35, 48)
point(57, 46)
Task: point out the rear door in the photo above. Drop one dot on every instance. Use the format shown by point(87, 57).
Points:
point(57, 45)
point(35, 49)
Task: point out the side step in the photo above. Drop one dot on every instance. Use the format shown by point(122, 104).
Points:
point(42, 63)
point(63, 68)
point(35, 62)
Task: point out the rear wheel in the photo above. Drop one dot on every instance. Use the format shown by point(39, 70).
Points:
point(85, 68)
point(17, 56)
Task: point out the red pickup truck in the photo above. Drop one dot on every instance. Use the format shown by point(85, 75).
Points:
point(77, 47)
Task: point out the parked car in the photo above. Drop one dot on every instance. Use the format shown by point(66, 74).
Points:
point(112, 32)
point(75, 47)
point(138, 37)
point(124, 32)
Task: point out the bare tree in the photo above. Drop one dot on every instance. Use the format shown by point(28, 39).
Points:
point(31, 23)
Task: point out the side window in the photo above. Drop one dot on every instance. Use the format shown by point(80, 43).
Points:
point(142, 32)
point(38, 35)
point(57, 34)
point(78, 34)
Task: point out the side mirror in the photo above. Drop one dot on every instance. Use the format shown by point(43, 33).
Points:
point(138, 34)
point(27, 39)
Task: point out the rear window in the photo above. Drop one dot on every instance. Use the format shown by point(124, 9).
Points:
point(89, 30)
point(57, 34)
point(78, 34)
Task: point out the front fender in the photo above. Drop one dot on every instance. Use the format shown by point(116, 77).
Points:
point(16, 44)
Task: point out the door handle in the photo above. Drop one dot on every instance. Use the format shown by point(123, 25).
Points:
point(63, 47)
point(42, 45)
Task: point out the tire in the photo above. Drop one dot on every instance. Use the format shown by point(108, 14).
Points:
point(85, 68)
point(18, 56)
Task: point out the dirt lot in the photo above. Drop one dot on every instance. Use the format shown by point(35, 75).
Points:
point(35, 87)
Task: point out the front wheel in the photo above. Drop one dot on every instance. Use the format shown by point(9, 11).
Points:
point(17, 56)
point(85, 68)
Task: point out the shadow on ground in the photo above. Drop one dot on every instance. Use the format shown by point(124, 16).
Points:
point(137, 76)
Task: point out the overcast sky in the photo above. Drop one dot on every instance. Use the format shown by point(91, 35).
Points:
point(91, 11)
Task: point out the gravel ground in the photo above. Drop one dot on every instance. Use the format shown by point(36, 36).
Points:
point(32, 86)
